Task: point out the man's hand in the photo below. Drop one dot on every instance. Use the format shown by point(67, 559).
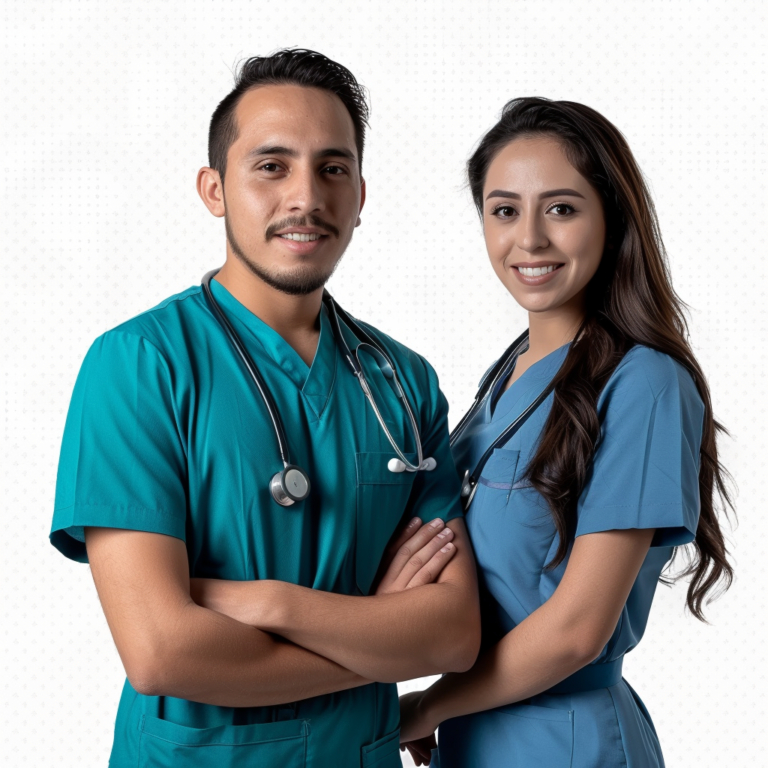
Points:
point(416, 557)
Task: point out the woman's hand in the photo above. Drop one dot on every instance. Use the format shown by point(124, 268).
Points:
point(421, 749)
point(416, 557)
point(417, 727)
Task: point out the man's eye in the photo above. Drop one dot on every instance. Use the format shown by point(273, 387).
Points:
point(334, 170)
point(269, 167)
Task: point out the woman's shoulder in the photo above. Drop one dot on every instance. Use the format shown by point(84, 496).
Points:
point(652, 373)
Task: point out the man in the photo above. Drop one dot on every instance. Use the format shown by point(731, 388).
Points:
point(247, 629)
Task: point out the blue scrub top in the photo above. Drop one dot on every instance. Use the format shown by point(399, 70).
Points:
point(644, 475)
point(166, 433)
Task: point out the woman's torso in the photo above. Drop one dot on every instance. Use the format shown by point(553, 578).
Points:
point(644, 475)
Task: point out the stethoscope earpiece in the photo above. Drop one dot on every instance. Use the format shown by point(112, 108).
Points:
point(397, 466)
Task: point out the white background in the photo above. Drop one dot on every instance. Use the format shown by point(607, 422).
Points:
point(105, 113)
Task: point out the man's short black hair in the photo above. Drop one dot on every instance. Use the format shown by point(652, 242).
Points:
point(295, 66)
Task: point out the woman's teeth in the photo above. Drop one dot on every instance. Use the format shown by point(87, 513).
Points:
point(301, 238)
point(536, 271)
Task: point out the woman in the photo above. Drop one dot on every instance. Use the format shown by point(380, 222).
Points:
point(574, 517)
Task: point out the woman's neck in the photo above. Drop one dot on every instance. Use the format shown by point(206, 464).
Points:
point(548, 331)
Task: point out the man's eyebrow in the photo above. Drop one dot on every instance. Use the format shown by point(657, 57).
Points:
point(550, 193)
point(276, 149)
point(337, 152)
point(270, 149)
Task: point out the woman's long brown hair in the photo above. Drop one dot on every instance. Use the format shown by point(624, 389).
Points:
point(629, 301)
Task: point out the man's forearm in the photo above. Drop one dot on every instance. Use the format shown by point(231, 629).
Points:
point(214, 659)
point(422, 631)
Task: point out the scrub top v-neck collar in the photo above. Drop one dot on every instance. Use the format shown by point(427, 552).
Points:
point(316, 381)
point(536, 376)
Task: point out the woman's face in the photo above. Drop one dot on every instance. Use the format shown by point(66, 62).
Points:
point(543, 223)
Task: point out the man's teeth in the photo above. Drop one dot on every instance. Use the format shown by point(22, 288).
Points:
point(536, 271)
point(299, 238)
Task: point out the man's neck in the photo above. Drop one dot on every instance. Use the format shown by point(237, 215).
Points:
point(295, 318)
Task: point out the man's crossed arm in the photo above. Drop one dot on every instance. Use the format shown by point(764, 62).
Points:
point(286, 643)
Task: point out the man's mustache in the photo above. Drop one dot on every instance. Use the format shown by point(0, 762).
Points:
point(301, 221)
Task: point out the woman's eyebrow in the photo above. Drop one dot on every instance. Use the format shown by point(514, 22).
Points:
point(550, 193)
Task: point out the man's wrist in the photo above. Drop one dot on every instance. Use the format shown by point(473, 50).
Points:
point(272, 606)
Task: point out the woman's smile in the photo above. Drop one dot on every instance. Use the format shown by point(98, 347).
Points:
point(536, 273)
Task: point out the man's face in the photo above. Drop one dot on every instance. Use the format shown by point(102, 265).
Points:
point(292, 187)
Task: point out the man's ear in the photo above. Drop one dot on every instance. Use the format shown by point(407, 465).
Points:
point(362, 201)
point(211, 190)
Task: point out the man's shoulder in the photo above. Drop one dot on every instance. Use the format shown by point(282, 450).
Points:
point(412, 367)
point(165, 324)
point(399, 352)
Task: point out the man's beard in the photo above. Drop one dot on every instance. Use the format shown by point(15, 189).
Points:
point(299, 281)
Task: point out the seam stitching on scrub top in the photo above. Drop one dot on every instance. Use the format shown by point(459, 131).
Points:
point(196, 290)
point(618, 725)
point(129, 507)
point(302, 736)
point(641, 506)
point(169, 381)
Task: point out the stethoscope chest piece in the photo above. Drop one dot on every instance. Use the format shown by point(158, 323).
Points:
point(289, 486)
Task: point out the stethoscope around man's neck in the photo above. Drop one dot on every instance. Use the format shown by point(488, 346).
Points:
point(291, 484)
point(501, 370)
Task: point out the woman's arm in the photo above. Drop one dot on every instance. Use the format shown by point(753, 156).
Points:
point(559, 638)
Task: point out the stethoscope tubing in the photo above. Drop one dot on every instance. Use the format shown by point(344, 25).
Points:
point(277, 424)
point(470, 481)
point(335, 311)
point(488, 383)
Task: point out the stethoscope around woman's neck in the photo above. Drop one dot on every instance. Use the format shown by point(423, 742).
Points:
point(292, 484)
point(499, 372)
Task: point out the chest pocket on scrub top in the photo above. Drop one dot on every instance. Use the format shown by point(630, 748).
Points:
point(381, 500)
point(496, 483)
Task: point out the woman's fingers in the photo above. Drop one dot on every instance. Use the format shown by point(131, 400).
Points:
point(421, 749)
point(410, 556)
point(433, 567)
point(405, 533)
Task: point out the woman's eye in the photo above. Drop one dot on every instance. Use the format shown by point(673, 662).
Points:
point(562, 209)
point(503, 212)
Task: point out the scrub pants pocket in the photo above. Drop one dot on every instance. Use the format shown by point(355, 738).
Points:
point(517, 736)
point(267, 745)
point(384, 753)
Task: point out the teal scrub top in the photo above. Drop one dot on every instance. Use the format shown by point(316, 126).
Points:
point(166, 433)
point(644, 474)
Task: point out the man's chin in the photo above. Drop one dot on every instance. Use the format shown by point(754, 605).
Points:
point(300, 281)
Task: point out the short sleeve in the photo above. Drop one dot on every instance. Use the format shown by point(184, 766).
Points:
point(122, 462)
point(645, 472)
point(436, 493)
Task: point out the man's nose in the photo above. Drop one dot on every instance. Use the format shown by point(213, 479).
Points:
point(303, 192)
